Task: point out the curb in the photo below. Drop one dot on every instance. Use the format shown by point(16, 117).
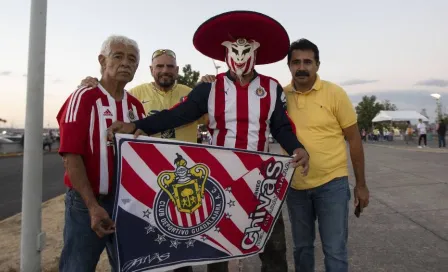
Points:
point(430, 150)
point(17, 154)
point(19, 214)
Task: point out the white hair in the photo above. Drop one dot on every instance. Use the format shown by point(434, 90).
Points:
point(114, 39)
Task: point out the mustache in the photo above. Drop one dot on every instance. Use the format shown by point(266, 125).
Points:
point(301, 73)
point(165, 74)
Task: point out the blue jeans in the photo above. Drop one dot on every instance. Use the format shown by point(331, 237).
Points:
point(82, 247)
point(329, 204)
point(442, 142)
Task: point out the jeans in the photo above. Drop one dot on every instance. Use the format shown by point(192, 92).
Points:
point(422, 136)
point(273, 259)
point(442, 142)
point(82, 247)
point(329, 204)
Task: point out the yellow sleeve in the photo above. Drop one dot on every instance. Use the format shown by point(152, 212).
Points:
point(135, 92)
point(345, 112)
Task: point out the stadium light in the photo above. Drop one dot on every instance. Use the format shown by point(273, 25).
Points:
point(436, 96)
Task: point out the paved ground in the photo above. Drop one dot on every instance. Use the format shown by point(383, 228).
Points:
point(11, 182)
point(432, 142)
point(405, 228)
point(16, 149)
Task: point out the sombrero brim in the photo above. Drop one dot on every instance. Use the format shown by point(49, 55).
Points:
point(230, 26)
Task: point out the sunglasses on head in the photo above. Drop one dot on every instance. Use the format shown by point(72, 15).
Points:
point(160, 52)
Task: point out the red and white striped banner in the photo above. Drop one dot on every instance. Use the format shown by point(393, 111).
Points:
point(180, 204)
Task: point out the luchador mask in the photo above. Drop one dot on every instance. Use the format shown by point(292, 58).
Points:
point(241, 56)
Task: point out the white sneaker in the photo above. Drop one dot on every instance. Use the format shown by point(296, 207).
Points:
point(420, 146)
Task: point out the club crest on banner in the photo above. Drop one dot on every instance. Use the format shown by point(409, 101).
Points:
point(188, 191)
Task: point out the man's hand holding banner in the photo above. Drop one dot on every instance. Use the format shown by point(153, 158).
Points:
point(180, 204)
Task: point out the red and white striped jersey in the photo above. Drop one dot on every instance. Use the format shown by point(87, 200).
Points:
point(83, 121)
point(239, 116)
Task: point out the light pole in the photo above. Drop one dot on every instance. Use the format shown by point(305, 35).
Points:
point(32, 238)
point(437, 96)
point(216, 66)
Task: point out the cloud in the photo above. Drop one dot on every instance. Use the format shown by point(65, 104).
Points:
point(46, 75)
point(433, 82)
point(358, 82)
point(5, 73)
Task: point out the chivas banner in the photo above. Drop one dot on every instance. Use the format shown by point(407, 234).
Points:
point(181, 204)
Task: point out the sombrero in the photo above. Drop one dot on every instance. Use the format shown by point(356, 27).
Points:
point(230, 26)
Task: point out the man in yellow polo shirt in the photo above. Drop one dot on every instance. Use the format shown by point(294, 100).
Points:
point(323, 115)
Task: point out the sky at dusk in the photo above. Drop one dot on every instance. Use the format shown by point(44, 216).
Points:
point(396, 50)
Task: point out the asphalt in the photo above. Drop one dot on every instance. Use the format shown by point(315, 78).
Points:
point(405, 227)
point(15, 149)
point(11, 182)
point(432, 142)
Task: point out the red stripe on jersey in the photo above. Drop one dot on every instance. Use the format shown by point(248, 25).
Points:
point(120, 110)
point(220, 108)
point(83, 120)
point(242, 116)
point(265, 104)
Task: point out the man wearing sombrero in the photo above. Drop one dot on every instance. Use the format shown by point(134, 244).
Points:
point(244, 107)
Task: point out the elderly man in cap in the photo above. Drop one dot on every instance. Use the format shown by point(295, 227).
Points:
point(244, 107)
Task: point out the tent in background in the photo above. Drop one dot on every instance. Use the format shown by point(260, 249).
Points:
point(399, 116)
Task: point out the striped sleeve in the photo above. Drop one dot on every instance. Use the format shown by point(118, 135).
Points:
point(74, 122)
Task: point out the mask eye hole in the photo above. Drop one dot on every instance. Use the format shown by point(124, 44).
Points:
point(235, 51)
point(246, 51)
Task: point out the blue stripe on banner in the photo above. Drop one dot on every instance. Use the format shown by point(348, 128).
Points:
point(140, 255)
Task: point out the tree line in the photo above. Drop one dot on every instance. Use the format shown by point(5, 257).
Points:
point(369, 107)
point(366, 109)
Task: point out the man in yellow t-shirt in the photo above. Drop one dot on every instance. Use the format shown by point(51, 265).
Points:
point(164, 93)
point(323, 116)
